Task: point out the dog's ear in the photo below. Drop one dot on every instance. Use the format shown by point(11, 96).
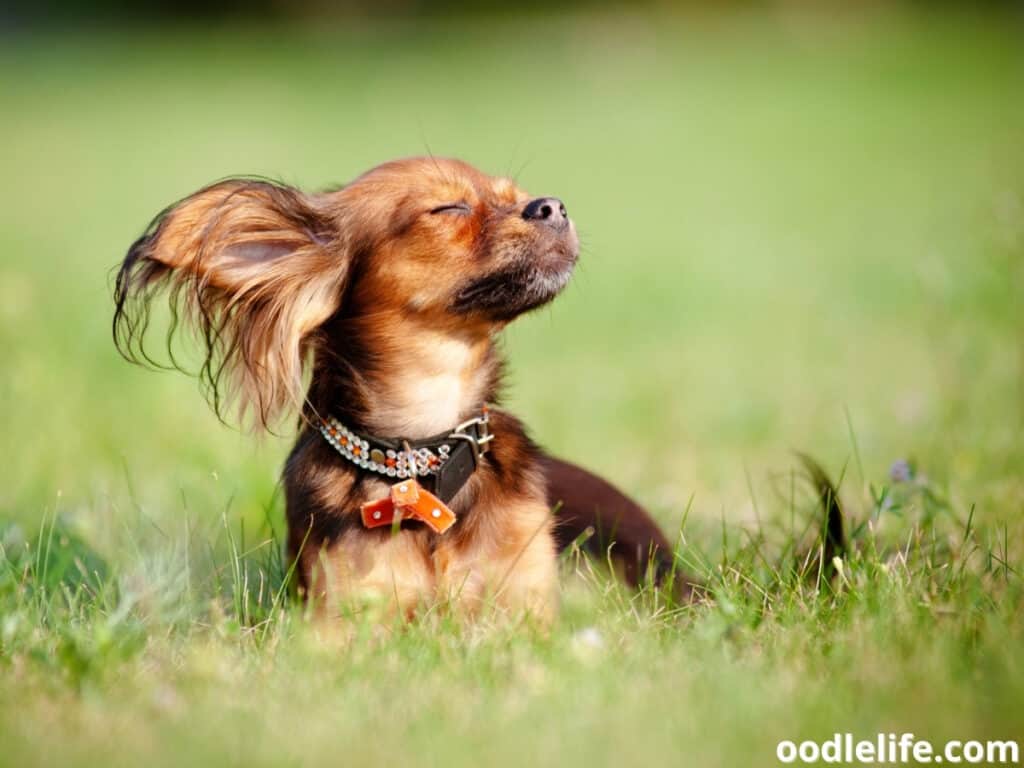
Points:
point(255, 268)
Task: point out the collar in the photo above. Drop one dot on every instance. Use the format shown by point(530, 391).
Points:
point(446, 460)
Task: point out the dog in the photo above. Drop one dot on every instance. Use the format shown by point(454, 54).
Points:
point(406, 484)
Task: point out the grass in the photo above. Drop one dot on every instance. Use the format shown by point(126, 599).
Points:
point(801, 231)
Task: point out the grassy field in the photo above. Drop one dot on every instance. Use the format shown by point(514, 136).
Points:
point(800, 232)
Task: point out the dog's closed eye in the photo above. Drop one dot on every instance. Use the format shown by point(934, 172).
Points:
point(458, 209)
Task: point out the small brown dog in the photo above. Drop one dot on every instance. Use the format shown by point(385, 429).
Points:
point(402, 484)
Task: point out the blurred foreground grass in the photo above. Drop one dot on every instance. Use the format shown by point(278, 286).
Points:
point(799, 231)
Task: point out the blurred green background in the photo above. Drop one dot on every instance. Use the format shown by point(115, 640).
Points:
point(787, 215)
point(802, 227)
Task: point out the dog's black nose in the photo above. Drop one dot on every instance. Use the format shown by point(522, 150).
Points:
point(549, 210)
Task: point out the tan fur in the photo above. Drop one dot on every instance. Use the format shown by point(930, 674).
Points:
point(253, 276)
point(433, 372)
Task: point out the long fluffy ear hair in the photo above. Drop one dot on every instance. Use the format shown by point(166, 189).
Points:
point(254, 268)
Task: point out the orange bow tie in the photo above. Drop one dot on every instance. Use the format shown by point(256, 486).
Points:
point(408, 500)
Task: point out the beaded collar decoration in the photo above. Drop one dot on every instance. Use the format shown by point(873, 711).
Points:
point(447, 460)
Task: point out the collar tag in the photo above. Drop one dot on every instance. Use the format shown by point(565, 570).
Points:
point(456, 471)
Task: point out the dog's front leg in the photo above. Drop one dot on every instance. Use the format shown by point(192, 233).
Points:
point(370, 573)
point(508, 570)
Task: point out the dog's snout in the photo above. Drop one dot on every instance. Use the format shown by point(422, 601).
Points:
point(549, 210)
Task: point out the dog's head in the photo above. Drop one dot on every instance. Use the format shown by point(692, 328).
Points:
point(258, 268)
